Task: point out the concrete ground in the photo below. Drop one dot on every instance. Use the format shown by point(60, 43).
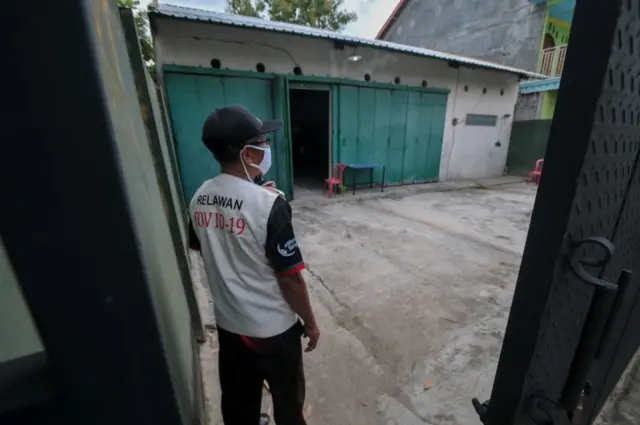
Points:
point(412, 292)
point(623, 405)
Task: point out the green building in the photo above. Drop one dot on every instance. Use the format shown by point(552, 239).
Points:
point(538, 98)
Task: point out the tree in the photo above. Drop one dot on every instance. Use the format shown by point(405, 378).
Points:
point(144, 34)
point(324, 14)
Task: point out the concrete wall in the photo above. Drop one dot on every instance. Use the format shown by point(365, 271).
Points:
point(507, 32)
point(468, 152)
point(528, 107)
point(149, 206)
point(18, 334)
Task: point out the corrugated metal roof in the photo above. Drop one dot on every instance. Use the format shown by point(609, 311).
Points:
point(181, 12)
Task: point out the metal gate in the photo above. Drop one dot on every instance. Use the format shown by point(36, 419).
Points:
point(574, 322)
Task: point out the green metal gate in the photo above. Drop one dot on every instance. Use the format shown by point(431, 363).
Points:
point(396, 126)
point(193, 97)
point(401, 129)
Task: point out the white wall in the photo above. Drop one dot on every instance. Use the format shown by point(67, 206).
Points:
point(468, 152)
point(472, 151)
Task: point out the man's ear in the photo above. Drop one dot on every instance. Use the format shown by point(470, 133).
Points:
point(244, 154)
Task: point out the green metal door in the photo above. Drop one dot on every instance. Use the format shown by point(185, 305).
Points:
point(397, 134)
point(280, 144)
point(401, 129)
point(348, 133)
point(412, 138)
point(437, 106)
point(423, 140)
point(431, 110)
point(193, 97)
point(381, 130)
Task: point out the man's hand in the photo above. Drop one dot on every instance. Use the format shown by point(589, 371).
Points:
point(271, 185)
point(312, 332)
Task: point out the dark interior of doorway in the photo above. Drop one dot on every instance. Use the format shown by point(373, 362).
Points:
point(310, 126)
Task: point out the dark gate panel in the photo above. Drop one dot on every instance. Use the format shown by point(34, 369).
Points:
point(85, 228)
point(619, 117)
point(527, 144)
point(589, 189)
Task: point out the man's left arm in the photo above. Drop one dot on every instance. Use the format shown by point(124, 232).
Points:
point(282, 248)
point(286, 259)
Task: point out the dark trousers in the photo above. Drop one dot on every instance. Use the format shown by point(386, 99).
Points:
point(245, 364)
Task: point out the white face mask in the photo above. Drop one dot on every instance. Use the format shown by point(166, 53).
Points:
point(264, 165)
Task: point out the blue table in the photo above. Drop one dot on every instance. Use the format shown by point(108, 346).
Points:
point(371, 167)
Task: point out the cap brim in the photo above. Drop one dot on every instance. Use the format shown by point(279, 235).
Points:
point(270, 126)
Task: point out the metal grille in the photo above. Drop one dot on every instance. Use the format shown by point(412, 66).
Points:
point(552, 62)
point(619, 123)
point(590, 188)
point(597, 207)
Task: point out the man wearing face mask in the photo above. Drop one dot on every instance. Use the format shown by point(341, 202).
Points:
point(244, 233)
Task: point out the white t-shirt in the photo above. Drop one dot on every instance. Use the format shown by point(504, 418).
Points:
point(245, 236)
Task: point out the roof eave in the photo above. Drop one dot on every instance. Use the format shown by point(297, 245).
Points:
point(157, 13)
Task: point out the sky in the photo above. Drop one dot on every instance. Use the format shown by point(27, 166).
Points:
point(372, 14)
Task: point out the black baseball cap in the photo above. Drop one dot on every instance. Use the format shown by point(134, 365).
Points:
point(234, 126)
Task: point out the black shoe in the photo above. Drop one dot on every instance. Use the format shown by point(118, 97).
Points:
point(264, 419)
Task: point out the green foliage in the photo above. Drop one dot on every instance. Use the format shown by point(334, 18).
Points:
point(324, 14)
point(128, 3)
point(144, 34)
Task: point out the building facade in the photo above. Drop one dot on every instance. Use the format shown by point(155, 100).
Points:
point(424, 115)
point(529, 34)
point(551, 57)
point(505, 32)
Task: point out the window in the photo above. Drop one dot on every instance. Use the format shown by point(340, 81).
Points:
point(482, 120)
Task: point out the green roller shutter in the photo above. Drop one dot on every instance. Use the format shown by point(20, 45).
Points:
point(402, 129)
point(193, 97)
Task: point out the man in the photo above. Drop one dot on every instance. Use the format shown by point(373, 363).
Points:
point(242, 226)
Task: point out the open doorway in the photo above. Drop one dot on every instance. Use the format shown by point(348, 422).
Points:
point(310, 138)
